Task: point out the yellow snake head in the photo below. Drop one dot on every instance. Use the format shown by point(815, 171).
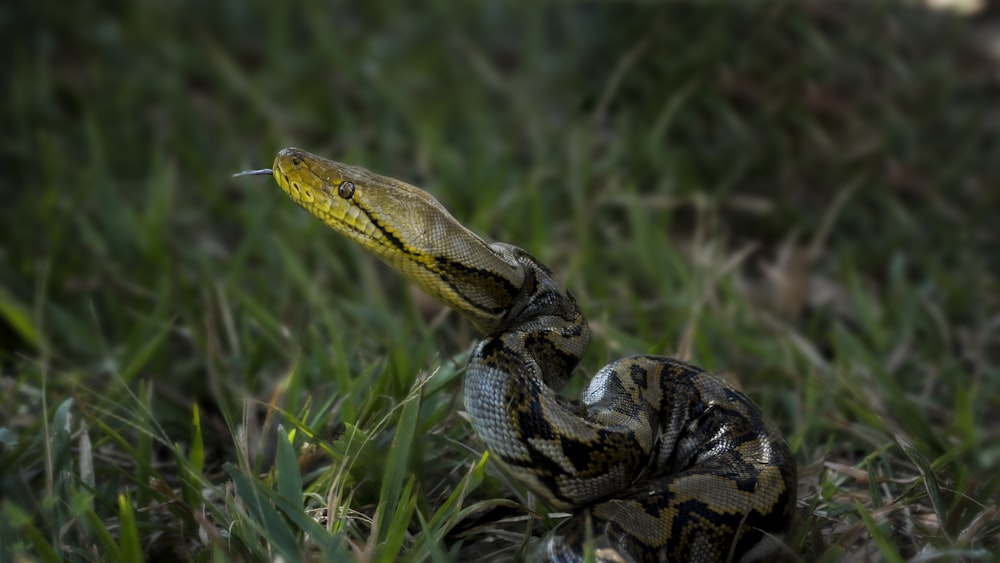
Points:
point(406, 228)
point(386, 216)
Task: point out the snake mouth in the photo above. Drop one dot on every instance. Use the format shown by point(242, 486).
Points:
point(292, 172)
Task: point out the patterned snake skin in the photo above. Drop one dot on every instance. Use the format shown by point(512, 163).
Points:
point(658, 460)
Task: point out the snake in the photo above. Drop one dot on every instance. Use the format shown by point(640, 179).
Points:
point(657, 460)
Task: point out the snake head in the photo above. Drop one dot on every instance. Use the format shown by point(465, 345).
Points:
point(389, 218)
point(405, 227)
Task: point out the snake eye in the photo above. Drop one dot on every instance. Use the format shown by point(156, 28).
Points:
point(346, 189)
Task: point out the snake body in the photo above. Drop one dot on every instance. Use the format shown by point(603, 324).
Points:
point(659, 460)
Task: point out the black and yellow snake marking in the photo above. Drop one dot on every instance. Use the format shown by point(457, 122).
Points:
point(659, 460)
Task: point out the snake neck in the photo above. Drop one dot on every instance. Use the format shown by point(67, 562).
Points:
point(543, 324)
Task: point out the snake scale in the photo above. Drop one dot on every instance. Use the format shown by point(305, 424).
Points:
point(658, 460)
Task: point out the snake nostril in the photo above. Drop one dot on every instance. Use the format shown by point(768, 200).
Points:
point(296, 161)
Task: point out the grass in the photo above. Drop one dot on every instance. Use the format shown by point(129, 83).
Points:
point(796, 195)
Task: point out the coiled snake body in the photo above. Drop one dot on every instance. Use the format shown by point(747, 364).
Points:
point(660, 460)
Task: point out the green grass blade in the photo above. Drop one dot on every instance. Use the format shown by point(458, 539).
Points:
point(19, 318)
point(107, 542)
point(196, 452)
point(930, 482)
point(331, 545)
point(129, 542)
point(396, 530)
point(887, 547)
point(288, 478)
point(431, 547)
point(397, 466)
point(263, 516)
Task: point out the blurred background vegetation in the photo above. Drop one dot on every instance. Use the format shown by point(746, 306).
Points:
point(798, 195)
